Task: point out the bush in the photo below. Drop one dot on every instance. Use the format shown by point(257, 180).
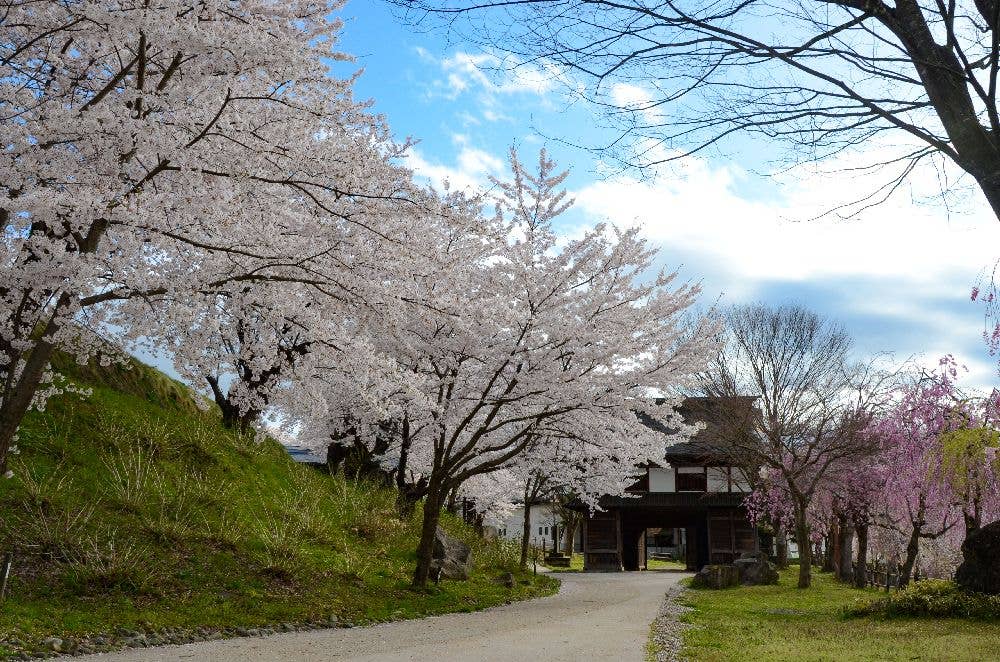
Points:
point(936, 598)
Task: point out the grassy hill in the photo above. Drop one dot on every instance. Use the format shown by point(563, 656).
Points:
point(135, 517)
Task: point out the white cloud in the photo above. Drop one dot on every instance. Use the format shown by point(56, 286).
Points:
point(493, 80)
point(900, 274)
point(696, 208)
point(471, 171)
point(907, 262)
point(632, 97)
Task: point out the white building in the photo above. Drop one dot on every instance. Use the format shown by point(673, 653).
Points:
point(546, 526)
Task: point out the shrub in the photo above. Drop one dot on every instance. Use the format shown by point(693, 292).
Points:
point(128, 476)
point(110, 563)
point(279, 541)
point(169, 515)
point(936, 598)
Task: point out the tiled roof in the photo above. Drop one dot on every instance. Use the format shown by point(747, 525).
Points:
point(675, 499)
point(723, 418)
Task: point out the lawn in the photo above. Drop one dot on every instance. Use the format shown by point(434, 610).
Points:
point(657, 564)
point(781, 622)
point(576, 565)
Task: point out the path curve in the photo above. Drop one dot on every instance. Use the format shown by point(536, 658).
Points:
point(593, 617)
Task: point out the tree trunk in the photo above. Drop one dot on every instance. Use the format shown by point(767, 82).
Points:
point(781, 546)
point(18, 400)
point(912, 549)
point(232, 418)
point(861, 567)
point(805, 551)
point(453, 501)
point(845, 564)
point(830, 550)
point(973, 520)
point(569, 533)
point(425, 551)
point(525, 532)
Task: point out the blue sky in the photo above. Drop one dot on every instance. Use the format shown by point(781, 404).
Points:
point(898, 276)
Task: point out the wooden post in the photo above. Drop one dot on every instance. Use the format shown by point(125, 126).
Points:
point(8, 561)
point(618, 529)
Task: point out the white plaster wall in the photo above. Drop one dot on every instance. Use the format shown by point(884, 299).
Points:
point(543, 515)
point(661, 480)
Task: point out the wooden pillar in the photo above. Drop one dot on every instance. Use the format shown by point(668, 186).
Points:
point(618, 530)
point(732, 528)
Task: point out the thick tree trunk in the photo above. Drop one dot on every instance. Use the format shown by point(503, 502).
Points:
point(912, 549)
point(425, 551)
point(973, 521)
point(232, 417)
point(845, 561)
point(861, 567)
point(525, 533)
point(830, 550)
point(805, 550)
point(944, 80)
point(781, 546)
point(18, 399)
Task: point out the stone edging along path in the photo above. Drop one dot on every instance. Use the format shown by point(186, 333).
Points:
point(667, 630)
point(124, 638)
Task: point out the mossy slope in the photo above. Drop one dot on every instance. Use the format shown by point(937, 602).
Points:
point(133, 508)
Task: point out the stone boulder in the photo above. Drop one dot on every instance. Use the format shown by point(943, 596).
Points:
point(716, 576)
point(451, 558)
point(557, 560)
point(506, 579)
point(980, 569)
point(754, 569)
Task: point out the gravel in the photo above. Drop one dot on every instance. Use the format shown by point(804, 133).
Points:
point(667, 628)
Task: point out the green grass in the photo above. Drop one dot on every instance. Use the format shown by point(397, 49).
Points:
point(656, 564)
point(134, 508)
point(781, 622)
point(576, 565)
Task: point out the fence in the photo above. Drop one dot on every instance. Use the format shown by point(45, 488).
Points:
point(890, 575)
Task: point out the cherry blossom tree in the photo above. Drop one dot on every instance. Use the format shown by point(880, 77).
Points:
point(769, 507)
point(526, 341)
point(859, 488)
point(917, 500)
point(156, 151)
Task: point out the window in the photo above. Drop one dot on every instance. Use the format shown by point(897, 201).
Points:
point(718, 479)
point(539, 530)
point(546, 530)
point(691, 482)
point(741, 483)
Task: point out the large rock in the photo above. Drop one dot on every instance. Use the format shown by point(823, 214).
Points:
point(452, 557)
point(980, 571)
point(716, 576)
point(754, 569)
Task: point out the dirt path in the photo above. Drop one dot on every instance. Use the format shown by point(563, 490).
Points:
point(593, 617)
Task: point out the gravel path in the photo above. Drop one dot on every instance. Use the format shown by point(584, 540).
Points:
point(667, 629)
point(593, 617)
